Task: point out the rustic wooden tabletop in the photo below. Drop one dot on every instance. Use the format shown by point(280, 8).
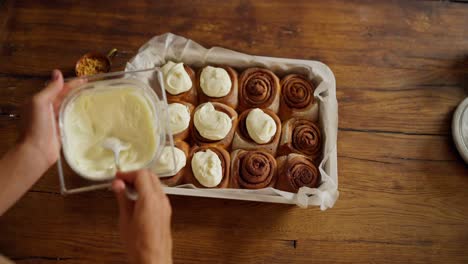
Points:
point(401, 69)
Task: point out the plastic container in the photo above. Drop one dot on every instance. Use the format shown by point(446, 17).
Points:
point(147, 83)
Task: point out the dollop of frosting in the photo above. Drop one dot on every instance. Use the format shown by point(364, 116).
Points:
point(207, 168)
point(177, 80)
point(211, 123)
point(215, 81)
point(165, 163)
point(260, 126)
point(179, 117)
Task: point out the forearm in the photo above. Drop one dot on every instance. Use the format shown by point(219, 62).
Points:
point(20, 167)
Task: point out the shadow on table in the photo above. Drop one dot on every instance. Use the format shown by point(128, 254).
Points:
point(228, 229)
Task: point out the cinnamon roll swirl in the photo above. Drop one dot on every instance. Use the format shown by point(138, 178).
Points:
point(296, 171)
point(252, 169)
point(300, 136)
point(259, 88)
point(297, 98)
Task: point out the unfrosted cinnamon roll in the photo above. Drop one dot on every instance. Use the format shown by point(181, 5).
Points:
point(297, 98)
point(300, 136)
point(180, 119)
point(214, 124)
point(257, 129)
point(252, 169)
point(218, 84)
point(209, 167)
point(296, 171)
point(172, 172)
point(259, 88)
point(179, 82)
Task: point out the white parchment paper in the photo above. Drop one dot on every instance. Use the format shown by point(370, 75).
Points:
point(168, 46)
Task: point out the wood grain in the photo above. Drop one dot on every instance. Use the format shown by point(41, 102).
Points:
point(401, 69)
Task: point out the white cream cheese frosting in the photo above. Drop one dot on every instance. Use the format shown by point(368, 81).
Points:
point(177, 80)
point(211, 123)
point(179, 117)
point(207, 168)
point(260, 126)
point(215, 81)
point(165, 163)
point(95, 115)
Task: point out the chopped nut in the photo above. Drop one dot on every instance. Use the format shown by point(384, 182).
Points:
point(91, 66)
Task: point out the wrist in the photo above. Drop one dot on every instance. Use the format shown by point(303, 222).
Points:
point(32, 157)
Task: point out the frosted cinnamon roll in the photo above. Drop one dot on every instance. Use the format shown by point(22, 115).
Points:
point(171, 173)
point(296, 171)
point(218, 84)
point(300, 136)
point(214, 124)
point(257, 129)
point(252, 169)
point(259, 88)
point(180, 119)
point(179, 82)
point(297, 98)
point(209, 167)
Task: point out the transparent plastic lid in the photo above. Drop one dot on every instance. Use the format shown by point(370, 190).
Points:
point(149, 85)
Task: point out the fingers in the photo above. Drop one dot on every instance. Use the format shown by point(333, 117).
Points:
point(52, 90)
point(125, 206)
point(67, 87)
point(156, 183)
point(75, 83)
point(145, 182)
point(140, 179)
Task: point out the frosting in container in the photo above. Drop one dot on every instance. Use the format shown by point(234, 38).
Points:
point(177, 80)
point(215, 81)
point(260, 126)
point(93, 116)
point(165, 164)
point(207, 168)
point(211, 123)
point(179, 117)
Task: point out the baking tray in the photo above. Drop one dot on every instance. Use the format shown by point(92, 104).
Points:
point(160, 49)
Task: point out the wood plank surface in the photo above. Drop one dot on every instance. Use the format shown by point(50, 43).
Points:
point(401, 70)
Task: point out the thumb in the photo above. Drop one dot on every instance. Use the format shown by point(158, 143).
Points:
point(125, 205)
point(53, 88)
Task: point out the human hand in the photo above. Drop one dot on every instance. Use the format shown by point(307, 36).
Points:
point(145, 224)
point(39, 130)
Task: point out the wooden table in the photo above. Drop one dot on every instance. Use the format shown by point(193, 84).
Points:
point(401, 69)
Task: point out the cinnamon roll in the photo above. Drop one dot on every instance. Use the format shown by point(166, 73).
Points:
point(259, 88)
point(172, 172)
point(257, 129)
point(214, 124)
point(296, 171)
point(252, 169)
point(209, 167)
point(180, 119)
point(218, 84)
point(179, 82)
point(297, 98)
point(300, 136)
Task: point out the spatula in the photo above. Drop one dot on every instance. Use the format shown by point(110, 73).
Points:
point(116, 146)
